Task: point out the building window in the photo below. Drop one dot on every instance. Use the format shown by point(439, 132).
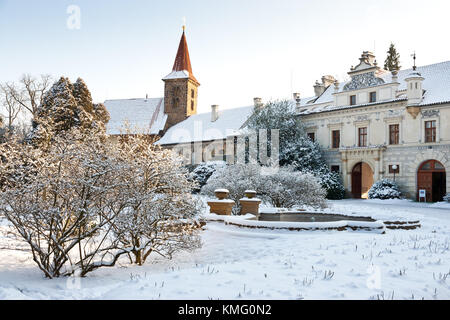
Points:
point(192, 105)
point(335, 169)
point(394, 134)
point(192, 94)
point(362, 135)
point(352, 100)
point(336, 136)
point(312, 136)
point(373, 97)
point(392, 171)
point(430, 131)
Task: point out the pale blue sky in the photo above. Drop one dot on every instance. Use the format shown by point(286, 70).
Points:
point(239, 49)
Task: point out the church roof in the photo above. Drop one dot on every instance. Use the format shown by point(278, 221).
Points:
point(141, 115)
point(199, 127)
point(436, 84)
point(182, 67)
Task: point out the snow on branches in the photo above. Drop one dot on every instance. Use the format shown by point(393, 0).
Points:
point(285, 187)
point(84, 202)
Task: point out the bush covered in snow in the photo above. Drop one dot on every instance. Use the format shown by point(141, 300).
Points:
point(385, 189)
point(84, 202)
point(202, 172)
point(284, 187)
point(447, 197)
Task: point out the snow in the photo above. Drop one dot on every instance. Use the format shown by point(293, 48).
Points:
point(245, 221)
point(177, 75)
point(142, 115)
point(241, 263)
point(199, 127)
point(222, 190)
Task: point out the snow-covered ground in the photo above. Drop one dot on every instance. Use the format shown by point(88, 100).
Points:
point(238, 263)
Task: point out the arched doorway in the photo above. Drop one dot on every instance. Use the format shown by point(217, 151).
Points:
point(362, 180)
point(432, 178)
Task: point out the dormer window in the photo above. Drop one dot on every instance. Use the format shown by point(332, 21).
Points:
point(353, 100)
point(373, 97)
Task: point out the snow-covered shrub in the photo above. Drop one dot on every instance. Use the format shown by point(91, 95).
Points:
point(447, 197)
point(160, 209)
point(332, 183)
point(285, 187)
point(288, 188)
point(385, 189)
point(84, 202)
point(202, 172)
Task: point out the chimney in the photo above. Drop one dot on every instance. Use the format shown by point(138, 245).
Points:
point(336, 86)
point(319, 89)
point(214, 113)
point(146, 96)
point(297, 99)
point(394, 76)
point(258, 102)
point(328, 80)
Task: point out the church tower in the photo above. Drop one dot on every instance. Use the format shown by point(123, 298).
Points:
point(181, 87)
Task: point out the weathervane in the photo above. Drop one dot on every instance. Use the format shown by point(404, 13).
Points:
point(414, 57)
point(184, 24)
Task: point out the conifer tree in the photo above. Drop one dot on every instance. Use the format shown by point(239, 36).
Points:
point(66, 106)
point(392, 61)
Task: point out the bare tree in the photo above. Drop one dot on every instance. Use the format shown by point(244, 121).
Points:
point(11, 107)
point(22, 97)
point(30, 91)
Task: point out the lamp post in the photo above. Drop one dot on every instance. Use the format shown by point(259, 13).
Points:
point(394, 168)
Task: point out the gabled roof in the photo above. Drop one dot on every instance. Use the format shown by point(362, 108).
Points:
point(182, 67)
point(436, 86)
point(199, 127)
point(141, 115)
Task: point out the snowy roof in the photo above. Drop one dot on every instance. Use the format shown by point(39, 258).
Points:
point(177, 75)
point(142, 115)
point(436, 85)
point(199, 127)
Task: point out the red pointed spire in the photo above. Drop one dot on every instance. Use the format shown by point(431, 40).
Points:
point(182, 60)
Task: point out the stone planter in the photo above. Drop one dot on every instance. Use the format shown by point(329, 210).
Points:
point(250, 204)
point(222, 206)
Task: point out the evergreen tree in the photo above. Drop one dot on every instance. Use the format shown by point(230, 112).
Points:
point(66, 106)
point(296, 148)
point(393, 59)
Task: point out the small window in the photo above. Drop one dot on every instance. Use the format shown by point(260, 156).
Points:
point(192, 105)
point(312, 136)
point(416, 85)
point(352, 100)
point(192, 94)
point(362, 133)
point(335, 169)
point(392, 171)
point(336, 136)
point(394, 134)
point(373, 97)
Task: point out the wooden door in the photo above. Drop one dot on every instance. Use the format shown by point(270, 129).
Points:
point(425, 182)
